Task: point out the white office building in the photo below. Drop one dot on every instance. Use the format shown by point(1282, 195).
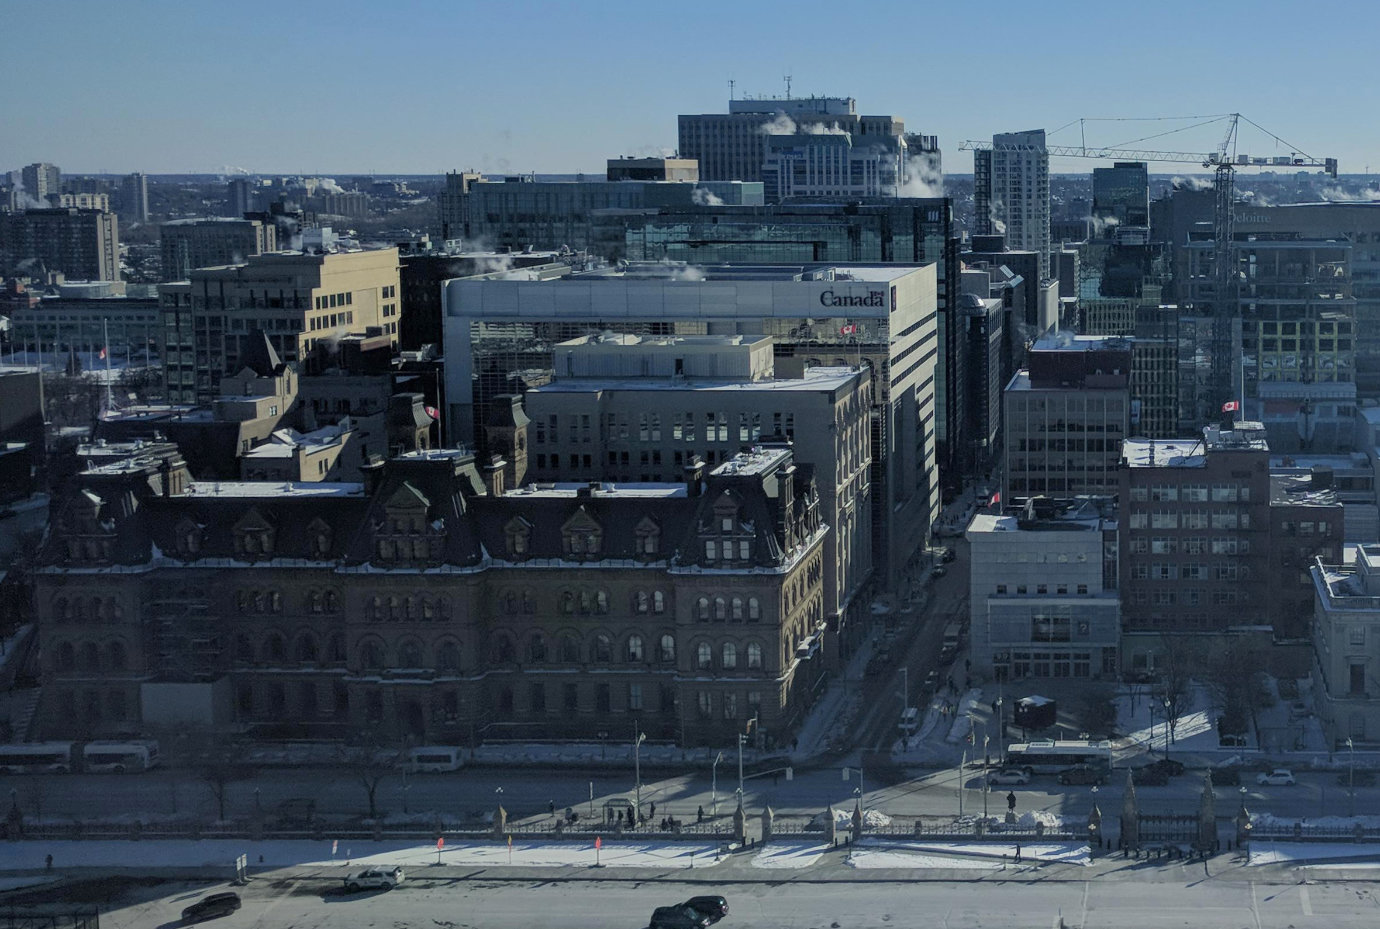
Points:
point(1011, 192)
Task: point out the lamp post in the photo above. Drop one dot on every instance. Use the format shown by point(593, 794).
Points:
point(637, 772)
point(1166, 728)
point(986, 787)
point(1351, 776)
point(963, 763)
point(742, 740)
point(714, 785)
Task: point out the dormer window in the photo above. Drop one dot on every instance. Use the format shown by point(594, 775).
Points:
point(403, 535)
point(254, 535)
point(648, 538)
point(319, 538)
point(582, 536)
point(518, 535)
point(189, 537)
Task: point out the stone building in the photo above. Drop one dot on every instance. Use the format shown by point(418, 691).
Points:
point(430, 602)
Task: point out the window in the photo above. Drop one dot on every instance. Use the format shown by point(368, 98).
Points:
point(603, 648)
point(537, 698)
point(730, 656)
point(704, 703)
point(635, 697)
point(571, 697)
point(738, 609)
point(730, 705)
point(667, 648)
point(536, 648)
point(754, 656)
point(720, 609)
point(641, 602)
point(1358, 635)
point(702, 609)
point(704, 656)
point(754, 609)
point(658, 602)
point(711, 550)
point(635, 648)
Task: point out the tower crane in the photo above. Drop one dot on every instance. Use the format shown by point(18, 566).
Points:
point(1224, 162)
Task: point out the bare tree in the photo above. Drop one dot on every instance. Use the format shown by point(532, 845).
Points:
point(372, 764)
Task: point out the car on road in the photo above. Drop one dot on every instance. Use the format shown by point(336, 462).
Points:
point(1357, 779)
point(1169, 766)
point(1151, 776)
point(711, 905)
point(1009, 776)
point(1226, 777)
point(374, 879)
point(221, 904)
point(1279, 777)
point(679, 916)
point(1083, 774)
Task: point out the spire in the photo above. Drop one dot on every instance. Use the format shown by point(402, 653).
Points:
point(259, 355)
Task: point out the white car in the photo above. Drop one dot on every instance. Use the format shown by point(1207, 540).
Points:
point(1009, 776)
point(374, 879)
point(1279, 777)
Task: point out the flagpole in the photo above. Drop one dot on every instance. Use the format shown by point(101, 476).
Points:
point(105, 350)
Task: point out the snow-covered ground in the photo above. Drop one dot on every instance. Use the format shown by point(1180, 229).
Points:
point(964, 854)
point(789, 855)
point(308, 854)
point(1263, 853)
point(869, 858)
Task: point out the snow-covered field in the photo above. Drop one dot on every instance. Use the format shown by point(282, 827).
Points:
point(1263, 853)
point(277, 854)
point(787, 855)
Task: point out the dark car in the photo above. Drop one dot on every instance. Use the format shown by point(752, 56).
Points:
point(1151, 776)
point(221, 904)
point(1083, 774)
point(711, 905)
point(679, 916)
point(1169, 766)
point(1226, 777)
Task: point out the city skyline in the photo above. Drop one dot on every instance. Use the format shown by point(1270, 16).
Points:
point(130, 88)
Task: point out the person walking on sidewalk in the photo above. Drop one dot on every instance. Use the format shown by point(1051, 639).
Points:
point(1018, 853)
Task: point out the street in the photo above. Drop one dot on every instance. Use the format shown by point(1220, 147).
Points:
point(305, 902)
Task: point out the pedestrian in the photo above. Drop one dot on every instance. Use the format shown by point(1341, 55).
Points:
point(48, 862)
point(967, 664)
point(1011, 802)
point(1018, 852)
point(653, 807)
point(994, 708)
point(699, 815)
point(552, 807)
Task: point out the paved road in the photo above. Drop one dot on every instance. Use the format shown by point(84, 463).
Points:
point(459, 904)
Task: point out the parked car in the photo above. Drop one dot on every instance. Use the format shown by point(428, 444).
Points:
point(1083, 774)
point(1009, 776)
point(1151, 776)
point(711, 905)
point(374, 879)
point(1358, 778)
point(1279, 777)
point(1226, 777)
point(221, 904)
point(679, 916)
point(1169, 766)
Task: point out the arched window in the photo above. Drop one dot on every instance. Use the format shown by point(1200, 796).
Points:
point(668, 648)
point(754, 609)
point(371, 654)
point(503, 649)
point(730, 656)
point(90, 657)
point(754, 656)
point(601, 601)
point(641, 602)
point(394, 608)
point(603, 648)
point(702, 609)
point(376, 608)
point(720, 608)
point(117, 658)
point(738, 609)
point(510, 602)
point(317, 602)
point(635, 649)
point(275, 649)
point(428, 609)
point(410, 654)
point(448, 656)
point(704, 656)
point(658, 602)
point(570, 649)
point(66, 658)
point(536, 648)
point(567, 602)
point(305, 649)
point(244, 649)
point(332, 602)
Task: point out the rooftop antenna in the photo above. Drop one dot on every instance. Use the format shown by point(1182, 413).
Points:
point(787, 79)
point(731, 82)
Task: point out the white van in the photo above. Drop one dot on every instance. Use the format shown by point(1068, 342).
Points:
point(434, 758)
point(910, 720)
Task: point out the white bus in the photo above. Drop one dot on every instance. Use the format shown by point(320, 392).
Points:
point(1053, 757)
point(910, 720)
point(434, 758)
point(36, 758)
point(119, 757)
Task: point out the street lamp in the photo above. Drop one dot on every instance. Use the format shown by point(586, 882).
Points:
point(1351, 776)
point(742, 740)
point(714, 785)
point(1166, 728)
point(637, 773)
point(986, 786)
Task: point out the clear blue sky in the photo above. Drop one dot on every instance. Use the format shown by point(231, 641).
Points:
point(416, 86)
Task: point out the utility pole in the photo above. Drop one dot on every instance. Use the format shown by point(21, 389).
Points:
point(637, 772)
point(714, 785)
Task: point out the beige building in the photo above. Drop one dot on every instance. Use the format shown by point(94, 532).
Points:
point(628, 408)
point(299, 300)
point(188, 244)
point(1346, 646)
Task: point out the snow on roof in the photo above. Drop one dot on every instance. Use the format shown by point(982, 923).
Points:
point(573, 489)
point(1164, 453)
point(818, 378)
point(273, 489)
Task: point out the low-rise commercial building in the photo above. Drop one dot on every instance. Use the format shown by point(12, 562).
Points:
point(1346, 644)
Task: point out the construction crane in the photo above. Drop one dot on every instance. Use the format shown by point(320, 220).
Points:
point(1224, 162)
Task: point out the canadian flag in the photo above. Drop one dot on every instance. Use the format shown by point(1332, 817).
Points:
point(1231, 406)
point(432, 412)
point(996, 498)
point(102, 354)
point(848, 329)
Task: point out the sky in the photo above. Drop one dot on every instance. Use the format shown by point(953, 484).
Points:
point(426, 86)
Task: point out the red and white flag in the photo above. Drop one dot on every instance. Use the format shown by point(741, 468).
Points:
point(1231, 406)
point(432, 412)
point(848, 329)
point(102, 354)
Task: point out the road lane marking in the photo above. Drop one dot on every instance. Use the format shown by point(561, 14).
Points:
point(1305, 902)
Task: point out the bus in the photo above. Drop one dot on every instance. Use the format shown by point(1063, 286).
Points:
point(1053, 757)
point(119, 757)
point(36, 758)
point(434, 758)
